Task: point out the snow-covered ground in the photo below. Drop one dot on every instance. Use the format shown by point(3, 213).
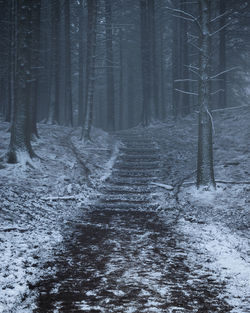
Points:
point(36, 203)
point(40, 203)
point(216, 222)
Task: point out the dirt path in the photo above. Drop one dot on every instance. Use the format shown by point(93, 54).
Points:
point(122, 257)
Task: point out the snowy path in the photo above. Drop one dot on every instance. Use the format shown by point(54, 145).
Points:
point(122, 257)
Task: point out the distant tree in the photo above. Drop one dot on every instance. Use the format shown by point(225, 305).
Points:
point(109, 67)
point(81, 64)
point(20, 146)
point(68, 80)
point(35, 63)
point(145, 62)
point(57, 57)
point(90, 67)
point(222, 55)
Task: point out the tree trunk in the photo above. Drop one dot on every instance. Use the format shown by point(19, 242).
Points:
point(185, 106)
point(90, 67)
point(205, 172)
point(145, 62)
point(176, 65)
point(57, 52)
point(81, 63)
point(35, 64)
point(20, 148)
point(121, 94)
point(222, 57)
point(68, 83)
point(109, 64)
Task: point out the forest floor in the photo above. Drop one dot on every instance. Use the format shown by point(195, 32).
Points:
point(189, 252)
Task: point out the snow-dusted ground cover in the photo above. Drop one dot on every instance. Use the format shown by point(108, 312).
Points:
point(190, 255)
point(215, 222)
point(39, 202)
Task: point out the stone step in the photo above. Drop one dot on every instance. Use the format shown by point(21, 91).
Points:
point(130, 181)
point(126, 189)
point(137, 165)
point(135, 173)
point(121, 198)
point(125, 206)
point(138, 151)
point(119, 177)
point(139, 158)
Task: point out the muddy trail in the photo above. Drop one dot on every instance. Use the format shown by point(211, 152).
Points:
point(123, 257)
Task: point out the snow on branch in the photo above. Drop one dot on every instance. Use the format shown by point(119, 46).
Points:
point(231, 108)
point(219, 16)
point(212, 121)
point(187, 92)
point(182, 17)
point(185, 80)
point(226, 71)
point(168, 187)
point(217, 91)
point(188, 15)
point(220, 29)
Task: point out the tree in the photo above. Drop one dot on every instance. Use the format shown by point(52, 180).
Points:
point(20, 147)
point(35, 63)
point(81, 65)
point(222, 55)
point(109, 65)
point(145, 62)
point(68, 82)
point(205, 171)
point(90, 67)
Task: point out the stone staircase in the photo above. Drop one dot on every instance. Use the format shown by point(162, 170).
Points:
point(129, 187)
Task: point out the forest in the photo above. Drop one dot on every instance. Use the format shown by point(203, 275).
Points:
point(124, 156)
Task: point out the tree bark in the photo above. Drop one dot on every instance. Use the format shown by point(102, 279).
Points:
point(222, 57)
point(109, 69)
point(205, 171)
point(90, 67)
point(145, 63)
point(81, 64)
point(35, 64)
point(20, 147)
point(68, 82)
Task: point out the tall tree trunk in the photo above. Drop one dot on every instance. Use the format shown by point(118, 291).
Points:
point(90, 68)
point(68, 82)
point(12, 62)
point(145, 60)
point(35, 64)
point(57, 58)
point(154, 59)
point(20, 147)
point(109, 64)
point(162, 67)
point(121, 94)
point(176, 65)
point(222, 57)
point(81, 63)
point(185, 110)
point(205, 171)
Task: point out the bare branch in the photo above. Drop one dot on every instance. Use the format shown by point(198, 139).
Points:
point(182, 17)
point(217, 91)
point(187, 92)
point(186, 80)
point(219, 16)
point(220, 29)
point(232, 108)
point(192, 17)
point(226, 71)
point(212, 121)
